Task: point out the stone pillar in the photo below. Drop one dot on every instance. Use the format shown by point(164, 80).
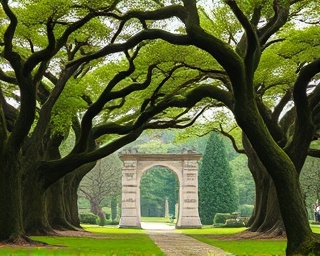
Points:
point(130, 205)
point(189, 211)
point(166, 208)
point(176, 209)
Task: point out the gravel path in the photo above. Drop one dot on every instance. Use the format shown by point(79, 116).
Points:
point(176, 244)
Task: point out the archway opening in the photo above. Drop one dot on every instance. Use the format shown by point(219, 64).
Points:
point(184, 165)
point(159, 195)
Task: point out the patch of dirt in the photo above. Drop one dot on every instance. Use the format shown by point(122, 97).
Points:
point(76, 233)
point(248, 235)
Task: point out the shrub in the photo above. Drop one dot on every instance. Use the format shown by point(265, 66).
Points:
point(230, 220)
point(88, 218)
point(220, 218)
point(112, 222)
point(245, 220)
point(235, 223)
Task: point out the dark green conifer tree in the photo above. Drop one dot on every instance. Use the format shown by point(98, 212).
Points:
point(216, 187)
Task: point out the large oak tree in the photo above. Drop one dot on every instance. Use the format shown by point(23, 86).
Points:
point(52, 96)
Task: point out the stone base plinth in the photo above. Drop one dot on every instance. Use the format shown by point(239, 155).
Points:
point(129, 222)
point(189, 222)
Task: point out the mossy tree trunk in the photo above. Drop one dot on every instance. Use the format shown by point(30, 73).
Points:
point(11, 227)
point(62, 199)
point(266, 217)
point(25, 133)
point(56, 206)
point(279, 164)
point(72, 182)
point(72, 201)
point(35, 217)
point(284, 175)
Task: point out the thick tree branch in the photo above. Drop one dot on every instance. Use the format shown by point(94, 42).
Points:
point(233, 141)
point(201, 92)
point(134, 41)
point(273, 127)
point(10, 113)
point(193, 16)
point(3, 123)
point(96, 107)
point(27, 111)
point(280, 106)
point(143, 16)
point(56, 169)
point(252, 43)
point(6, 78)
point(314, 103)
point(42, 55)
point(281, 14)
point(256, 15)
point(176, 122)
point(133, 87)
point(55, 45)
point(304, 128)
point(314, 152)
point(45, 113)
point(9, 33)
point(266, 45)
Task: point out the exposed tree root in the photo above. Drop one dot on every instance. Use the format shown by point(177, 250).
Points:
point(22, 240)
point(247, 235)
point(41, 232)
point(64, 226)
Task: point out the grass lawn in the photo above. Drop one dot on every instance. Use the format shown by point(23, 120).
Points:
point(246, 247)
point(315, 228)
point(252, 247)
point(111, 241)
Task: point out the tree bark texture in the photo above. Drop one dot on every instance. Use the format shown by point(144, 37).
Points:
point(35, 217)
point(11, 227)
point(56, 206)
point(266, 217)
point(286, 180)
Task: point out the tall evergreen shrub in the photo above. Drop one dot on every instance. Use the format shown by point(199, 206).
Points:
point(217, 192)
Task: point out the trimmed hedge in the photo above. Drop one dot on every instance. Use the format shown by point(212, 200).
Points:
point(112, 222)
point(233, 223)
point(220, 218)
point(229, 220)
point(88, 218)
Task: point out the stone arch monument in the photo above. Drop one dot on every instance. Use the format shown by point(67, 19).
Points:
point(185, 165)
